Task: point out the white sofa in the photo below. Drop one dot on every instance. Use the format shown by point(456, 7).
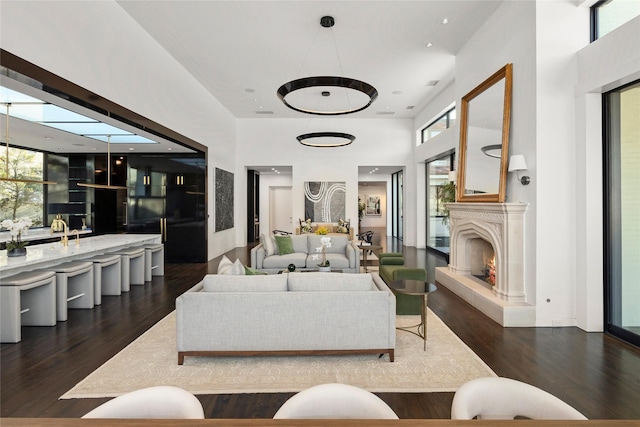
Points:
point(342, 255)
point(286, 314)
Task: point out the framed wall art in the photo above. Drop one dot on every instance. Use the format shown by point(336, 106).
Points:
point(324, 201)
point(372, 205)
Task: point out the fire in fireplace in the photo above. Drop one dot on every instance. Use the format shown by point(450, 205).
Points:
point(483, 261)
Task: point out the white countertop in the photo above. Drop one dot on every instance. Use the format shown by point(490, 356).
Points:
point(40, 233)
point(49, 254)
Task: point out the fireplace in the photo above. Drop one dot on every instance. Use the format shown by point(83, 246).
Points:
point(487, 263)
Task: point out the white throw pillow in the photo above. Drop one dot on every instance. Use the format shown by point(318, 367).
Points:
point(238, 268)
point(225, 265)
point(269, 244)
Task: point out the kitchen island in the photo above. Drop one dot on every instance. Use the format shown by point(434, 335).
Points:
point(49, 254)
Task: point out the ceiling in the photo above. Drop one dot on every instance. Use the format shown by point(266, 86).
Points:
point(243, 51)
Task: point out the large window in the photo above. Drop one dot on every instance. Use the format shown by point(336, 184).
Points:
point(19, 199)
point(607, 15)
point(622, 212)
point(437, 181)
point(439, 125)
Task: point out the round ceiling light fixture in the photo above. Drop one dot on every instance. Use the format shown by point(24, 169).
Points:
point(302, 94)
point(326, 139)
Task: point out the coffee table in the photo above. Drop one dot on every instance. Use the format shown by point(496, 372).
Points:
point(422, 289)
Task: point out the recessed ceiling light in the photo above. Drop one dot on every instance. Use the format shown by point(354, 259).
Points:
point(169, 148)
point(131, 148)
point(445, 21)
point(432, 82)
point(429, 44)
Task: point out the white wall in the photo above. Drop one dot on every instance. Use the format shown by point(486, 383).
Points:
point(272, 142)
point(96, 45)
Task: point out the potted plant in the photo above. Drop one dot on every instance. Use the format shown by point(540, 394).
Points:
point(446, 193)
point(16, 247)
point(325, 242)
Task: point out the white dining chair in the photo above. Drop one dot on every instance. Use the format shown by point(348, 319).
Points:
point(333, 400)
point(497, 398)
point(154, 402)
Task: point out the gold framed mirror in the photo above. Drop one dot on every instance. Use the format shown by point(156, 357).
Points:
point(484, 139)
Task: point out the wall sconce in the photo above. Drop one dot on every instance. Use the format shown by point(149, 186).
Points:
point(516, 164)
point(453, 176)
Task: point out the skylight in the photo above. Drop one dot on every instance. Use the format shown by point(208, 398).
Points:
point(34, 110)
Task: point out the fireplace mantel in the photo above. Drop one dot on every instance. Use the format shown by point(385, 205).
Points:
point(503, 226)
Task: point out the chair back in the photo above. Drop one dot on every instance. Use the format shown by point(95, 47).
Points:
point(497, 398)
point(154, 402)
point(331, 401)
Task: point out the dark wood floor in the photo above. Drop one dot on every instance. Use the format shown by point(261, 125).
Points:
point(594, 372)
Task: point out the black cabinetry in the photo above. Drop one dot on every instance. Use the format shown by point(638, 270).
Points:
point(166, 195)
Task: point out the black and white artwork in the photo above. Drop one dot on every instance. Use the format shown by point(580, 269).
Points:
point(224, 200)
point(324, 201)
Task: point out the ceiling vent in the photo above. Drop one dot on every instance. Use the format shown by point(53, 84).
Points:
point(264, 112)
point(385, 113)
point(432, 82)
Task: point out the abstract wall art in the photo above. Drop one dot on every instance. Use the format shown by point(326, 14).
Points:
point(324, 201)
point(224, 200)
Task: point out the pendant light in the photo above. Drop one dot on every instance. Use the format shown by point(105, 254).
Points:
point(102, 186)
point(6, 178)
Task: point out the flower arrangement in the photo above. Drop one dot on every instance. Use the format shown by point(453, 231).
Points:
point(322, 231)
point(325, 242)
point(306, 226)
point(16, 228)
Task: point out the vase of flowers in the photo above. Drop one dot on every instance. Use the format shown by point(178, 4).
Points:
point(325, 265)
point(16, 247)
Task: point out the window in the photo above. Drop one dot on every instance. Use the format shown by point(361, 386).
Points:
point(622, 212)
point(439, 125)
point(19, 199)
point(607, 15)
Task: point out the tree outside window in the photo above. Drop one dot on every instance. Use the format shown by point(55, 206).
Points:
point(19, 199)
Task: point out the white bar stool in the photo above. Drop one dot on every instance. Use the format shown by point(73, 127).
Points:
point(132, 266)
point(74, 283)
point(153, 261)
point(26, 299)
point(107, 276)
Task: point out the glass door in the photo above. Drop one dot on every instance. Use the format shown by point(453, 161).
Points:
point(622, 212)
point(397, 215)
point(438, 225)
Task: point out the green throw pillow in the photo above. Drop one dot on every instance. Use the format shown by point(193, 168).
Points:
point(248, 271)
point(285, 245)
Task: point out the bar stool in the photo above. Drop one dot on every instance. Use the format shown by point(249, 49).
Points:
point(74, 283)
point(153, 261)
point(132, 266)
point(26, 299)
point(107, 276)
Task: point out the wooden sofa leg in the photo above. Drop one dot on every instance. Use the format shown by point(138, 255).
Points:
point(391, 355)
point(180, 358)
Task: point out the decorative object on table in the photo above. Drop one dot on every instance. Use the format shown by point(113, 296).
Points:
point(84, 223)
point(372, 206)
point(305, 226)
point(324, 201)
point(361, 208)
point(291, 267)
point(16, 247)
point(325, 265)
point(322, 231)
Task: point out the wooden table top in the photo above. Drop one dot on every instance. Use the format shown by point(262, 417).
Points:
point(254, 422)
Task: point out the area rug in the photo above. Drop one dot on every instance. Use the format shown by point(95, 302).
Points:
point(152, 360)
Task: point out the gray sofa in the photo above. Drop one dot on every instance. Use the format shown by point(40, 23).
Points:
point(343, 254)
point(286, 314)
